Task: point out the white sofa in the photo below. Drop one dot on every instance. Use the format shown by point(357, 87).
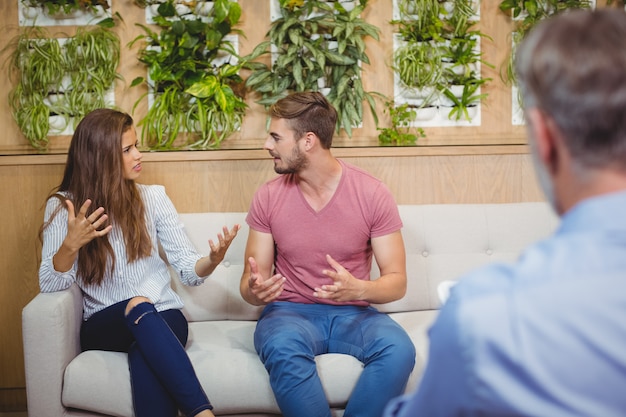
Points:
point(442, 242)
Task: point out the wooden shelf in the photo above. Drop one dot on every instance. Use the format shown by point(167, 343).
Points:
point(253, 154)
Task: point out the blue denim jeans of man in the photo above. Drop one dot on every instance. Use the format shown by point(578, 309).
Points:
point(162, 377)
point(288, 336)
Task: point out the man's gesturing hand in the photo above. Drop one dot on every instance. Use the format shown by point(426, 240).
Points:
point(264, 290)
point(345, 286)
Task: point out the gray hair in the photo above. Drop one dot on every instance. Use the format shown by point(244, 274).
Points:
point(572, 67)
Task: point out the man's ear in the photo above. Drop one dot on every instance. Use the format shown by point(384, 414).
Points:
point(310, 140)
point(545, 136)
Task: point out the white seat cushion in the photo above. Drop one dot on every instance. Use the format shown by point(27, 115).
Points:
point(227, 365)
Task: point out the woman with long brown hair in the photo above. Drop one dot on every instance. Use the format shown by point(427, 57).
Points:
point(109, 247)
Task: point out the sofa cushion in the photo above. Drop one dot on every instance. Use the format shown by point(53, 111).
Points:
point(227, 365)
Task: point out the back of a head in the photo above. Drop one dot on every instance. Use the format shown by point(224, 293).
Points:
point(573, 68)
point(307, 112)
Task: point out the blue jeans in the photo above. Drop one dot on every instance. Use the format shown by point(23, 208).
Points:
point(162, 376)
point(288, 336)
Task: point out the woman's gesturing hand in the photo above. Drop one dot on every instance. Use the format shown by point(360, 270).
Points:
point(82, 229)
point(219, 248)
point(205, 266)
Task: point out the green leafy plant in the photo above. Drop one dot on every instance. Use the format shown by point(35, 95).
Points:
point(316, 45)
point(91, 57)
point(418, 64)
point(470, 97)
point(63, 77)
point(461, 51)
point(399, 133)
point(526, 14)
point(438, 46)
point(197, 94)
point(420, 20)
point(54, 7)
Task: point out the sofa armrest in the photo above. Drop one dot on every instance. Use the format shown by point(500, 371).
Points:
point(51, 333)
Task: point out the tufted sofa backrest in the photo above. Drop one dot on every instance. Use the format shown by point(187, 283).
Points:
point(442, 242)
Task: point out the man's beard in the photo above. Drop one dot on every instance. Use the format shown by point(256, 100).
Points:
point(294, 164)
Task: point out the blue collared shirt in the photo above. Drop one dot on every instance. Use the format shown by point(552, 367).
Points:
point(545, 336)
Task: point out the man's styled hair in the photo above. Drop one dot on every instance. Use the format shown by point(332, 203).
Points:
point(573, 68)
point(307, 112)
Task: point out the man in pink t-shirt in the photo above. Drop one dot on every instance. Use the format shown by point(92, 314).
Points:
point(313, 232)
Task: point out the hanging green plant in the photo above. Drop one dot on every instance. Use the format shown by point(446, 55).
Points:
point(65, 77)
point(55, 7)
point(438, 53)
point(193, 76)
point(469, 97)
point(420, 20)
point(525, 15)
point(317, 45)
point(418, 64)
point(400, 133)
point(92, 57)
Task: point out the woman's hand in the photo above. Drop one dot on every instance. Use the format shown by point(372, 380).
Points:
point(218, 250)
point(205, 266)
point(81, 229)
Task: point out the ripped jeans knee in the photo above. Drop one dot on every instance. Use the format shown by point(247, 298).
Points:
point(137, 308)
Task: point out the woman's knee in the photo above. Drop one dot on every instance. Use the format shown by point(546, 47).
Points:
point(134, 302)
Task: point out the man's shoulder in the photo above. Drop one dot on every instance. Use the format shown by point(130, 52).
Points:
point(365, 184)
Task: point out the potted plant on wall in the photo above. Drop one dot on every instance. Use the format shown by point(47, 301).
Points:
point(418, 66)
point(437, 53)
point(317, 45)
point(463, 104)
point(63, 8)
point(526, 14)
point(59, 79)
point(92, 56)
point(197, 99)
point(462, 61)
point(400, 133)
point(417, 57)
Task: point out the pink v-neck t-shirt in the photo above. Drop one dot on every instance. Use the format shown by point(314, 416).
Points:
point(361, 208)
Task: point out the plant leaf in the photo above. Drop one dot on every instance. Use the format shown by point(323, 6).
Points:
point(207, 87)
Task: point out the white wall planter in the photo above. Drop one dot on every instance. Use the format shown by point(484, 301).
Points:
point(348, 5)
point(427, 113)
point(29, 16)
point(203, 8)
point(58, 124)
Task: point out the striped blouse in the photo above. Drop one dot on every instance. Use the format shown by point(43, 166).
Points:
point(148, 277)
